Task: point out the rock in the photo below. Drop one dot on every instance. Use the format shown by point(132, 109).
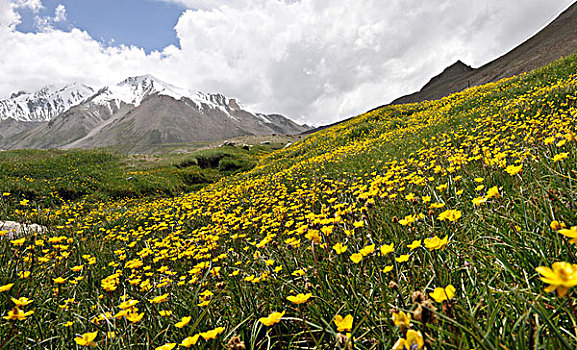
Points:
point(12, 229)
point(265, 143)
point(288, 145)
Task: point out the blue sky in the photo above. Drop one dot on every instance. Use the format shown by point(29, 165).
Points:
point(148, 24)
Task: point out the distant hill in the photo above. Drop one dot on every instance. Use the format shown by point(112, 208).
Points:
point(558, 39)
point(135, 115)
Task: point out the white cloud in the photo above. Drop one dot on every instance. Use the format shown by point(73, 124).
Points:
point(46, 23)
point(59, 13)
point(34, 5)
point(315, 60)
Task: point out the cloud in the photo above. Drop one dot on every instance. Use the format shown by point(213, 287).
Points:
point(59, 13)
point(34, 5)
point(46, 23)
point(315, 60)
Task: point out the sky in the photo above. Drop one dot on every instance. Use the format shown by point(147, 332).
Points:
point(315, 61)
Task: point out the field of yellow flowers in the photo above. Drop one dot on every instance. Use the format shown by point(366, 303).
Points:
point(448, 224)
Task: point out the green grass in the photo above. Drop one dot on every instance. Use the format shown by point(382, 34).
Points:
point(246, 237)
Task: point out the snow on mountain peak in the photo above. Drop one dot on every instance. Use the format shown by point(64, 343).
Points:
point(134, 90)
point(43, 104)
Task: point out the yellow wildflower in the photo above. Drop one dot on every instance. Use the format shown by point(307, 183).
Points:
point(272, 319)
point(190, 341)
point(416, 244)
point(6, 287)
point(299, 298)
point(386, 249)
point(87, 339)
point(344, 323)
point(562, 277)
point(356, 258)
point(401, 319)
point(514, 169)
point(183, 322)
point(441, 294)
point(212, 333)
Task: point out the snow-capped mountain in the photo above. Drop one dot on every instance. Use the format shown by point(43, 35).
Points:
point(44, 104)
point(134, 90)
point(141, 113)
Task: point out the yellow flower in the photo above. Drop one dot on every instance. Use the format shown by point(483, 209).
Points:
point(314, 236)
point(6, 287)
point(273, 318)
point(416, 244)
point(159, 299)
point(386, 249)
point(479, 200)
point(356, 258)
point(183, 322)
point(23, 301)
point(190, 341)
point(344, 324)
point(77, 268)
point(402, 258)
point(436, 243)
point(401, 319)
point(441, 294)
point(571, 233)
point(556, 226)
point(87, 339)
point(562, 277)
point(339, 248)
point(128, 304)
point(18, 242)
point(514, 169)
point(367, 250)
point(414, 341)
point(165, 313)
point(299, 298)
point(408, 220)
point(168, 346)
point(212, 333)
point(560, 156)
point(17, 314)
point(299, 272)
point(59, 280)
point(451, 215)
point(492, 192)
point(388, 268)
point(134, 317)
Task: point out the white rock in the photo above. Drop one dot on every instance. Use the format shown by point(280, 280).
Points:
point(12, 229)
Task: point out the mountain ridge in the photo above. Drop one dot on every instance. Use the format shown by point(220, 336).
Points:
point(140, 113)
point(557, 39)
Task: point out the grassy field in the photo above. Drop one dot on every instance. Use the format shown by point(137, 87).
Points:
point(446, 224)
point(51, 179)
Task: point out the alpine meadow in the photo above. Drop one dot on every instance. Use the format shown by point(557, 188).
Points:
point(442, 224)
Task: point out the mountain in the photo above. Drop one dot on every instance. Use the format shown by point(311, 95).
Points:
point(558, 39)
point(142, 113)
point(43, 104)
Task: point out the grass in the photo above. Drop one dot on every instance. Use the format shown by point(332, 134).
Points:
point(447, 211)
point(51, 179)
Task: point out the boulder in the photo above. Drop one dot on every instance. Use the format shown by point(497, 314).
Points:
point(12, 229)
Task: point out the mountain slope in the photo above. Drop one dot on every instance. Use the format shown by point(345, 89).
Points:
point(558, 39)
point(141, 113)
